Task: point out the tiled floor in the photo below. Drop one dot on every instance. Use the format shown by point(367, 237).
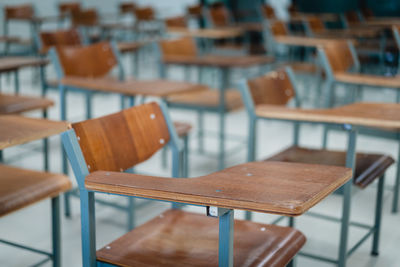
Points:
point(32, 225)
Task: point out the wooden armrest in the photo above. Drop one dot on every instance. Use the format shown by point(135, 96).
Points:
point(377, 115)
point(367, 79)
point(270, 187)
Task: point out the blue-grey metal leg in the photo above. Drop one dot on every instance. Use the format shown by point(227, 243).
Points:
point(63, 115)
point(131, 213)
point(186, 156)
point(176, 170)
point(88, 98)
point(328, 104)
point(350, 163)
point(88, 226)
point(43, 81)
point(396, 188)
point(56, 229)
point(122, 102)
point(16, 82)
point(45, 147)
point(221, 109)
point(225, 246)
point(200, 122)
point(378, 216)
point(251, 153)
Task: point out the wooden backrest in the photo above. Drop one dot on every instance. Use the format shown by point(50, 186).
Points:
point(352, 17)
point(179, 47)
point(278, 27)
point(69, 8)
point(219, 15)
point(179, 22)
point(274, 88)
point(144, 14)
point(121, 140)
point(339, 55)
point(86, 17)
point(268, 11)
point(316, 24)
point(20, 12)
point(90, 61)
point(59, 38)
point(196, 10)
point(127, 7)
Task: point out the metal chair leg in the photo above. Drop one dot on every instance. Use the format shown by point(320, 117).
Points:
point(56, 229)
point(396, 188)
point(378, 216)
point(200, 122)
point(131, 214)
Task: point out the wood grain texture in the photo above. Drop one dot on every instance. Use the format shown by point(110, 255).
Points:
point(160, 88)
point(339, 55)
point(144, 13)
point(84, 17)
point(269, 187)
point(181, 239)
point(67, 8)
point(20, 188)
point(379, 115)
point(301, 40)
point(16, 130)
point(19, 12)
point(219, 61)
point(208, 98)
point(14, 63)
point(278, 28)
point(14, 104)
point(316, 24)
point(268, 11)
point(121, 140)
point(368, 79)
point(216, 33)
point(90, 61)
point(368, 167)
point(179, 47)
point(68, 37)
point(219, 15)
point(274, 88)
point(179, 22)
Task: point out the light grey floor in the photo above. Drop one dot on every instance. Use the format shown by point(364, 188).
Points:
point(32, 225)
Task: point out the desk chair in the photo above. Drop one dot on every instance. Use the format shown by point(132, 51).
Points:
point(206, 100)
point(278, 88)
point(95, 61)
point(22, 13)
point(337, 58)
point(175, 237)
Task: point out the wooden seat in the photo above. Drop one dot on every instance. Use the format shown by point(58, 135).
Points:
point(174, 242)
point(14, 104)
point(208, 98)
point(20, 188)
point(368, 166)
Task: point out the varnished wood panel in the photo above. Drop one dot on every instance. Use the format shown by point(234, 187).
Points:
point(179, 22)
point(219, 61)
point(144, 13)
point(223, 33)
point(270, 187)
point(20, 188)
point(219, 16)
point(13, 104)
point(160, 88)
point(14, 63)
point(16, 130)
point(339, 55)
point(274, 88)
point(380, 115)
point(87, 17)
point(181, 239)
point(19, 12)
point(368, 79)
point(90, 61)
point(179, 47)
point(268, 11)
point(121, 140)
point(59, 38)
point(278, 28)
